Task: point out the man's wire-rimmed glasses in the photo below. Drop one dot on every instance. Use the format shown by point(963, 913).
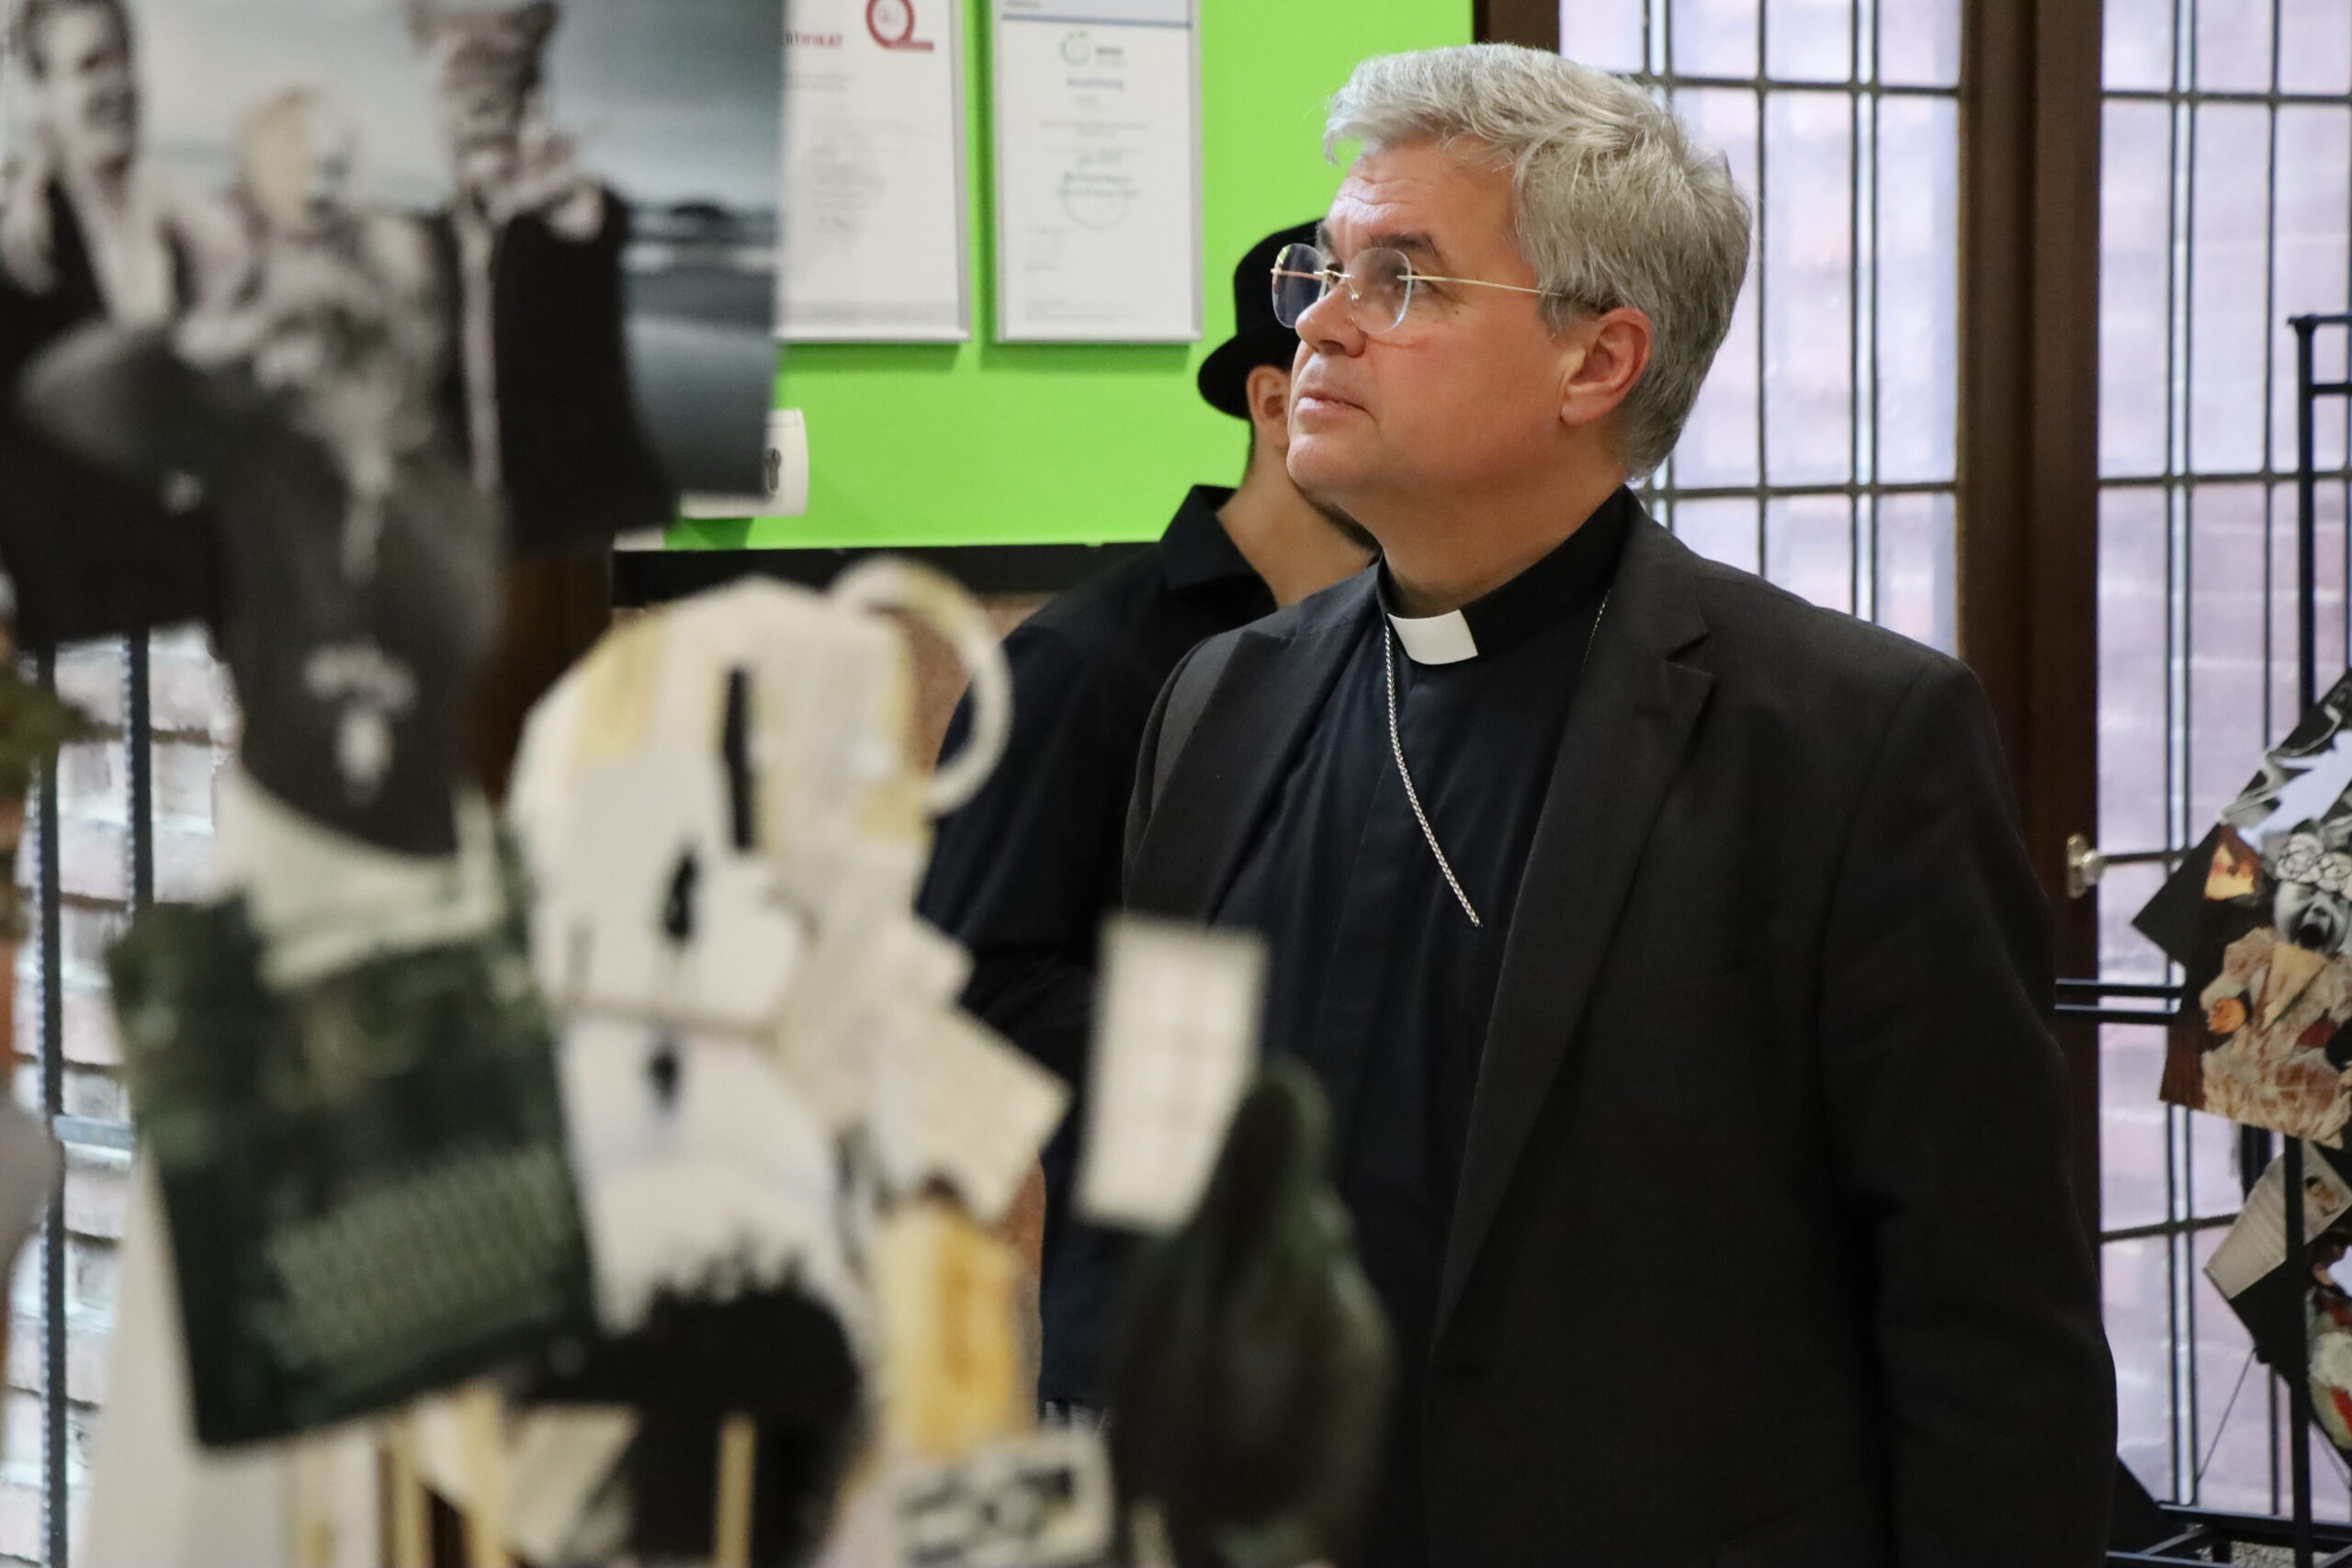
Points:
point(1380, 285)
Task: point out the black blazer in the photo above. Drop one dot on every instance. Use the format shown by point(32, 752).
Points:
point(1764, 1254)
point(91, 553)
point(576, 463)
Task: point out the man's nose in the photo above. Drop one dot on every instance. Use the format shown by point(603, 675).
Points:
point(1327, 327)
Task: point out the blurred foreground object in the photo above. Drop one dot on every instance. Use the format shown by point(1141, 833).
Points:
point(1250, 1382)
point(366, 1176)
point(1175, 1036)
point(790, 1142)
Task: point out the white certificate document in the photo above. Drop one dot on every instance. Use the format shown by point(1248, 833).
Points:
point(874, 236)
point(1098, 210)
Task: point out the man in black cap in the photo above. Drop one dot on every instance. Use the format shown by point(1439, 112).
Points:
point(1025, 873)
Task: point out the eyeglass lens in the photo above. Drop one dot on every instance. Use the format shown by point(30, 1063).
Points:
point(1379, 285)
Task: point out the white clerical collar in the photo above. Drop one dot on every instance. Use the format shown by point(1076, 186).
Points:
point(1436, 640)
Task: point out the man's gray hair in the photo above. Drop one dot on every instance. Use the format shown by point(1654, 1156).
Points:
point(1614, 202)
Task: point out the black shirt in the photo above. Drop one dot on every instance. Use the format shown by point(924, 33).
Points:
point(1379, 981)
point(1025, 873)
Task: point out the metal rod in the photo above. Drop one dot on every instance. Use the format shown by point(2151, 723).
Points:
point(2299, 1379)
point(2255, 1155)
point(56, 1503)
point(138, 739)
point(2306, 522)
point(2153, 991)
point(2306, 458)
point(2169, 1227)
point(2141, 857)
point(2179, 707)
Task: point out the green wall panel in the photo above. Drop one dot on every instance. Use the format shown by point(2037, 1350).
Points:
point(988, 442)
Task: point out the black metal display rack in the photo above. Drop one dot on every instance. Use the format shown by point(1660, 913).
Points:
point(2202, 1535)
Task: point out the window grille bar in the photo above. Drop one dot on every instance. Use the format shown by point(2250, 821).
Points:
point(138, 772)
point(1765, 82)
point(2181, 1359)
point(2170, 1227)
point(55, 1502)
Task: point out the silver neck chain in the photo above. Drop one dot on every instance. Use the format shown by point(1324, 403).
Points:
point(1396, 747)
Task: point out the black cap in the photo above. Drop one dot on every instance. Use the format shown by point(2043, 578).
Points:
point(1257, 339)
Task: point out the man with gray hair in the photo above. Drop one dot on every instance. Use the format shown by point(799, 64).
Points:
point(1667, 945)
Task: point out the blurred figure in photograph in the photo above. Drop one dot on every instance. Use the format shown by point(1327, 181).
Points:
point(357, 561)
point(90, 232)
point(539, 390)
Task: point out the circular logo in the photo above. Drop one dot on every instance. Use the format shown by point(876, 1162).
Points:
point(1095, 201)
point(1077, 48)
point(892, 22)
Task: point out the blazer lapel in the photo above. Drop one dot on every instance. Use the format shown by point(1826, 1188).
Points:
point(1627, 730)
point(1239, 751)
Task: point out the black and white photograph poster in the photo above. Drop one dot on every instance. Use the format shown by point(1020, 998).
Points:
point(534, 241)
point(312, 309)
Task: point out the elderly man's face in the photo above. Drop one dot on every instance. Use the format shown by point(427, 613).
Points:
point(89, 99)
point(1466, 392)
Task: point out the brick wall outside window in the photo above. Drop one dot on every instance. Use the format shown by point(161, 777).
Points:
point(194, 720)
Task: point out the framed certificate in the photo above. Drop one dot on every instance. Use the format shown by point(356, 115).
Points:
point(1098, 171)
point(874, 232)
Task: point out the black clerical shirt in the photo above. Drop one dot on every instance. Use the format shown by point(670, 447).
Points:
point(1379, 981)
point(1025, 873)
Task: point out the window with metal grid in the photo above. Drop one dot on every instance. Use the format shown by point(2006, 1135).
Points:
point(1823, 451)
point(121, 820)
point(2225, 207)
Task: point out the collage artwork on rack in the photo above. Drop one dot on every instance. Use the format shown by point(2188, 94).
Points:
point(2259, 917)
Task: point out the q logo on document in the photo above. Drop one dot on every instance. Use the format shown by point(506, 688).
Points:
point(892, 22)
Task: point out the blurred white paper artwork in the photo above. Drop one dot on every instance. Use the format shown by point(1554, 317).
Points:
point(1175, 1037)
point(661, 911)
point(953, 1101)
point(743, 750)
point(871, 967)
point(724, 830)
point(698, 1169)
point(673, 918)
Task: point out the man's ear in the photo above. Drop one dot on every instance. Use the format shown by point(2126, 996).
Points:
point(1602, 357)
point(1268, 393)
